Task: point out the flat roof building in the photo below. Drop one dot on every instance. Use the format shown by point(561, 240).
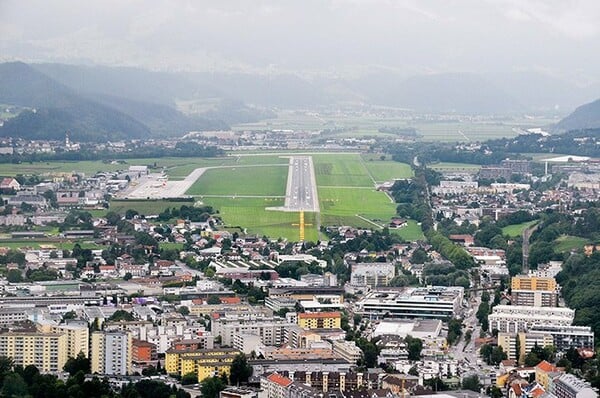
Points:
point(437, 302)
point(517, 318)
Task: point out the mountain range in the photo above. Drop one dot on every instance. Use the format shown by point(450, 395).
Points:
point(99, 102)
point(584, 117)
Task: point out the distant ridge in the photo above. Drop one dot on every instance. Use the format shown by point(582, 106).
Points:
point(56, 108)
point(584, 117)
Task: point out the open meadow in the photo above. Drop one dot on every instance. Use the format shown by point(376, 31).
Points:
point(345, 186)
point(254, 181)
point(252, 215)
point(368, 125)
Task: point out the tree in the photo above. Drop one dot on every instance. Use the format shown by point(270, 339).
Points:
point(121, 315)
point(240, 370)
point(79, 363)
point(14, 386)
point(112, 218)
point(127, 276)
point(471, 383)
point(436, 384)
point(211, 387)
point(454, 331)
point(414, 346)
point(183, 310)
point(189, 378)
point(495, 392)
point(492, 355)
point(14, 276)
point(419, 256)
point(213, 300)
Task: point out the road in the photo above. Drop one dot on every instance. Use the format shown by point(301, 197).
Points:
point(466, 351)
point(526, 236)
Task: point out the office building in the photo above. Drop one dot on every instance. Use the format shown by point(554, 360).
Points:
point(437, 302)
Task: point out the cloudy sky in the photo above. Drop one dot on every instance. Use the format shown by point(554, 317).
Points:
point(559, 37)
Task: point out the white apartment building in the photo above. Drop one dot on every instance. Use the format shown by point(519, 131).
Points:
point(517, 318)
point(111, 353)
point(347, 350)
point(372, 274)
point(270, 329)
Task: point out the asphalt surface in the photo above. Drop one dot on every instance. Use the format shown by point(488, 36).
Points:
point(301, 193)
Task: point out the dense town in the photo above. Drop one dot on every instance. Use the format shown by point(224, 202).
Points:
point(475, 308)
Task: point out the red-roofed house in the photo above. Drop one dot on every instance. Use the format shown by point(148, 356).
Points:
point(10, 183)
point(545, 372)
point(230, 300)
point(275, 385)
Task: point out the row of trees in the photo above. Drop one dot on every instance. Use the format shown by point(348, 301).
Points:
point(18, 381)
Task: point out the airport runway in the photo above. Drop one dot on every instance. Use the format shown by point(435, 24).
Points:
point(301, 192)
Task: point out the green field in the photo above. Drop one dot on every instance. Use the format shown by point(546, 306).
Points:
point(145, 207)
point(516, 230)
point(343, 206)
point(256, 181)
point(170, 245)
point(454, 128)
point(20, 243)
point(387, 170)
point(566, 243)
point(412, 232)
point(345, 184)
point(341, 170)
point(251, 213)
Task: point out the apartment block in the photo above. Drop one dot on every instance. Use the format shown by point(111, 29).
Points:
point(270, 329)
point(526, 342)
point(112, 353)
point(570, 386)
point(320, 320)
point(566, 337)
point(517, 318)
point(206, 363)
point(534, 291)
point(142, 351)
point(347, 350)
point(372, 274)
point(46, 351)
